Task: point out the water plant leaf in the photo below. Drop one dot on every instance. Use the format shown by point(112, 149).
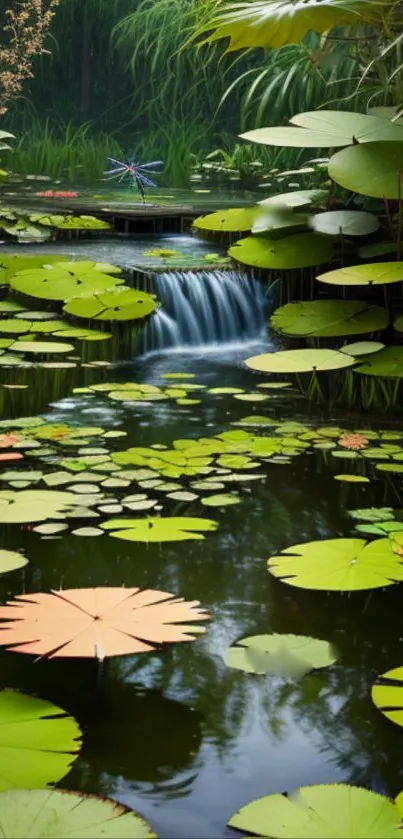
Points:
point(33, 505)
point(375, 273)
point(220, 500)
point(96, 622)
point(175, 529)
point(387, 695)
point(42, 347)
point(119, 304)
point(372, 169)
point(387, 362)
point(321, 812)
point(360, 348)
point(332, 129)
point(372, 513)
point(338, 565)
point(346, 222)
point(233, 220)
point(299, 198)
point(279, 655)
point(54, 283)
point(9, 561)
point(329, 318)
point(38, 742)
point(349, 478)
point(301, 250)
point(61, 813)
point(299, 361)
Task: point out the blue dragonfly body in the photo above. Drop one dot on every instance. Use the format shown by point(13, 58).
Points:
point(137, 172)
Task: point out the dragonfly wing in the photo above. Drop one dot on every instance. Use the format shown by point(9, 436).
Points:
point(144, 180)
point(156, 166)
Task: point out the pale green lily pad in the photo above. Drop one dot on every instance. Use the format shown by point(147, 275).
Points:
point(233, 220)
point(59, 813)
point(372, 513)
point(10, 561)
point(301, 250)
point(15, 326)
point(387, 696)
point(352, 479)
point(360, 348)
point(299, 361)
point(220, 500)
point(338, 565)
point(119, 304)
point(346, 222)
point(279, 655)
point(387, 362)
point(54, 283)
point(373, 170)
point(33, 505)
point(299, 198)
point(50, 528)
point(87, 531)
point(329, 318)
point(38, 743)
point(43, 347)
point(160, 529)
point(375, 273)
point(324, 811)
point(326, 129)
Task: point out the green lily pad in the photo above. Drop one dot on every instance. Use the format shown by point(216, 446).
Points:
point(81, 266)
point(160, 529)
point(82, 223)
point(338, 565)
point(329, 318)
point(321, 812)
point(232, 220)
point(33, 505)
point(301, 250)
point(54, 283)
point(377, 249)
point(10, 561)
point(352, 479)
point(43, 347)
point(119, 304)
point(372, 513)
point(327, 129)
point(372, 169)
point(59, 813)
point(345, 222)
point(362, 348)
point(300, 198)
point(387, 362)
point(220, 500)
point(387, 695)
point(38, 743)
point(375, 273)
point(279, 655)
point(299, 361)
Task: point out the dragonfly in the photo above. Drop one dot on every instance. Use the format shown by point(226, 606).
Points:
point(137, 172)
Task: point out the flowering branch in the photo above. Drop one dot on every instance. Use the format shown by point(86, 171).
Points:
point(24, 34)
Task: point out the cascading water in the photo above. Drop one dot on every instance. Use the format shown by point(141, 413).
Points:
point(205, 308)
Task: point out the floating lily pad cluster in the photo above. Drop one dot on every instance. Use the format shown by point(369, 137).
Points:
point(24, 226)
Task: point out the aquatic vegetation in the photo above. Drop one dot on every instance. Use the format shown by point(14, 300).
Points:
point(338, 565)
point(329, 318)
point(68, 813)
point(291, 656)
point(124, 621)
point(318, 811)
point(387, 696)
point(38, 742)
point(112, 304)
point(11, 560)
point(159, 529)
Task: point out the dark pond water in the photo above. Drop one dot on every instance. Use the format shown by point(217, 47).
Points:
point(176, 735)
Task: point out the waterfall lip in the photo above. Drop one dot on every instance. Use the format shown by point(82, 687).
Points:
point(205, 312)
point(260, 343)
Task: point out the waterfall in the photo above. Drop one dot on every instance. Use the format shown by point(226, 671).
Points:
point(205, 307)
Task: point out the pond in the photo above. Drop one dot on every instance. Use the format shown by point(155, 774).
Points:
point(178, 735)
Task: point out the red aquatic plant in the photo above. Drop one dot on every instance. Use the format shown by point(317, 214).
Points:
point(49, 193)
point(7, 440)
point(353, 441)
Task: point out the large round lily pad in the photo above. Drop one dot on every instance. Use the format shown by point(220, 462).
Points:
point(375, 273)
point(347, 222)
point(329, 318)
point(324, 811)
point(232, 220)
point(55, 283)
point(119, 304)
point(33, 505)
point(299, 198)
point(301, 250)
point(59, 813)
point(160, 529)
point(332, 129)
point(299, 361)
point(387, 362)
point(279, 655)
point(373, 169)
point(38, 742)
point(387, 695)
point(338, 565)
point(41, 347)
point(11, 560)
